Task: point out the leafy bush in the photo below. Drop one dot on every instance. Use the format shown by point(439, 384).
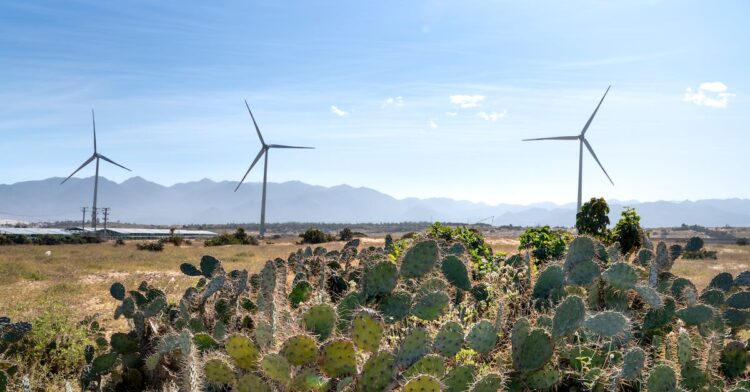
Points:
point(545, 243)
point(742, 241)
point(481, 254)
point(346, 234)
point(14, 239)
point(315, 236)
point(154, 246)
point(701, 254)
point(694, 244)
point(175, 240)
point(593, 220)
point(119, 242)
point(239, 237)
point(628, 231)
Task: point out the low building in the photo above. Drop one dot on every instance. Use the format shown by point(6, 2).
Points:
point(153, 234)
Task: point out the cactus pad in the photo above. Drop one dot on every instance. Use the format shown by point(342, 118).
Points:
point(569, 316)
point(381, 279)
point(252, 383)
point(419, 259)
point(338, 358)
point(345, 310)
point(722, 281)
point(204, 341)
point(413, 347)
point(277, 368)
point(218, 372)
point(489, 383)
point(449, 339)
point(696, 315)
point(242, 350)
point(713, 297)
point(430, 305)
point(367, 330)
point(431, 364)
point(620, 276)
point(117, 290)
point(650, 296)
point(739, 300)
point(482, 337)
point(532, 350)
point(308, 380)
point(456, 273)
point(300, 350)
point(320, 320)
point(632, 364)
point(608, 324)
point(395, 306)
point(549, 284)
point(423, 383)
point(662, 379)
point(459, 378)
point(734, 358)
point(377, 373)
point(543, 379)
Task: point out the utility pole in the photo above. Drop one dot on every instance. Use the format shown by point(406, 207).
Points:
point(106, 217)
point(83, 219)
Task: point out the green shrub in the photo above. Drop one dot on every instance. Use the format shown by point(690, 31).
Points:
point(546, 244)
point(593, 220)
point(156, 246)
point(628, 231)
point(481, 254)
point(346, 234)
point(239, 237)
point(694, 244)
point(742, 241)
point(701, 254)
point(315, 236)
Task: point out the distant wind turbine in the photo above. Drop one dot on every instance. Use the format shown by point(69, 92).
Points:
point(581, 142)
point(96, 156)
point(263, 152)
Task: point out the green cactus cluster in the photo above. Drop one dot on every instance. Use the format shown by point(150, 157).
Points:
point(415, 317)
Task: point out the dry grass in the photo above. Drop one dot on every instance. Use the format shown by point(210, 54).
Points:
point(731, 258)
point(80, 275)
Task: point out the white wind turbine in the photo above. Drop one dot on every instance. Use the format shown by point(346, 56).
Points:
point(581, 142)
point(263, 152)
point(96, 156)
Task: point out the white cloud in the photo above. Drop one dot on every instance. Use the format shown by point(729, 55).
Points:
point(335, 110)
point(433, 124)
point(451, 114)
point(491, 116)
point(391, 101)
point(467, 101)
point(711, 94)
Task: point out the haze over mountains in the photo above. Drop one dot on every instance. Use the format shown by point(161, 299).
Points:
point(139, 201)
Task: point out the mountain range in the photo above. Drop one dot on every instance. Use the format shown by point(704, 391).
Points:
point(137, 200)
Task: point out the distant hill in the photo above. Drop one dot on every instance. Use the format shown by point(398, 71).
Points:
point(206, 201)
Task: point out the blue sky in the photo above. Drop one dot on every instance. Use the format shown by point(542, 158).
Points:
point(417, 98)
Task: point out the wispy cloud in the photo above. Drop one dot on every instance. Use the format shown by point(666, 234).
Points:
point(433, 124)
point(492, 116)
point(451, 114)
point(467, 101)
point(335, 110)
point(711, 94)
point(391, 101)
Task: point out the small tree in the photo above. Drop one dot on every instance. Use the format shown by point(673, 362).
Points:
point(593, 219)
point(346, 234)
point(694, 244)
point(545, 243)
point(315, 236)
point(628, 231)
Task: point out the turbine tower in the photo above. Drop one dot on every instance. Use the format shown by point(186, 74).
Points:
point(581, 142)
point(96, 156)
point(263, 152)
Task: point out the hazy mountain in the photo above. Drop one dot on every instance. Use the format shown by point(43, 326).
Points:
point(140, 201)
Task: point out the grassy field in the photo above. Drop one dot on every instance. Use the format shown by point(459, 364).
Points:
point(80, 275)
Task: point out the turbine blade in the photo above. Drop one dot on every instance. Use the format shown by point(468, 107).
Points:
point(553, 138)
point(260, 153)
point(93, 121)
point(591, 150)
point(283, 146)
point(586, 127)
point(263, 142)
point(112, 162)
point(79, 168)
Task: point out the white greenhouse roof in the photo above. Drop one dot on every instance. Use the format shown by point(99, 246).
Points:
point(32, 231)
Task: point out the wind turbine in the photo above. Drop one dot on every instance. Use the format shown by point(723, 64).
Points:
point(263, 152)
point(96, 156)
point(581, 142)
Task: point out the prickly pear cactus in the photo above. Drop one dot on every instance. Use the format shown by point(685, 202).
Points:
point(367, 330)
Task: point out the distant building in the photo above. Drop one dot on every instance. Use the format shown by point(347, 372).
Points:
point(124, 233)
